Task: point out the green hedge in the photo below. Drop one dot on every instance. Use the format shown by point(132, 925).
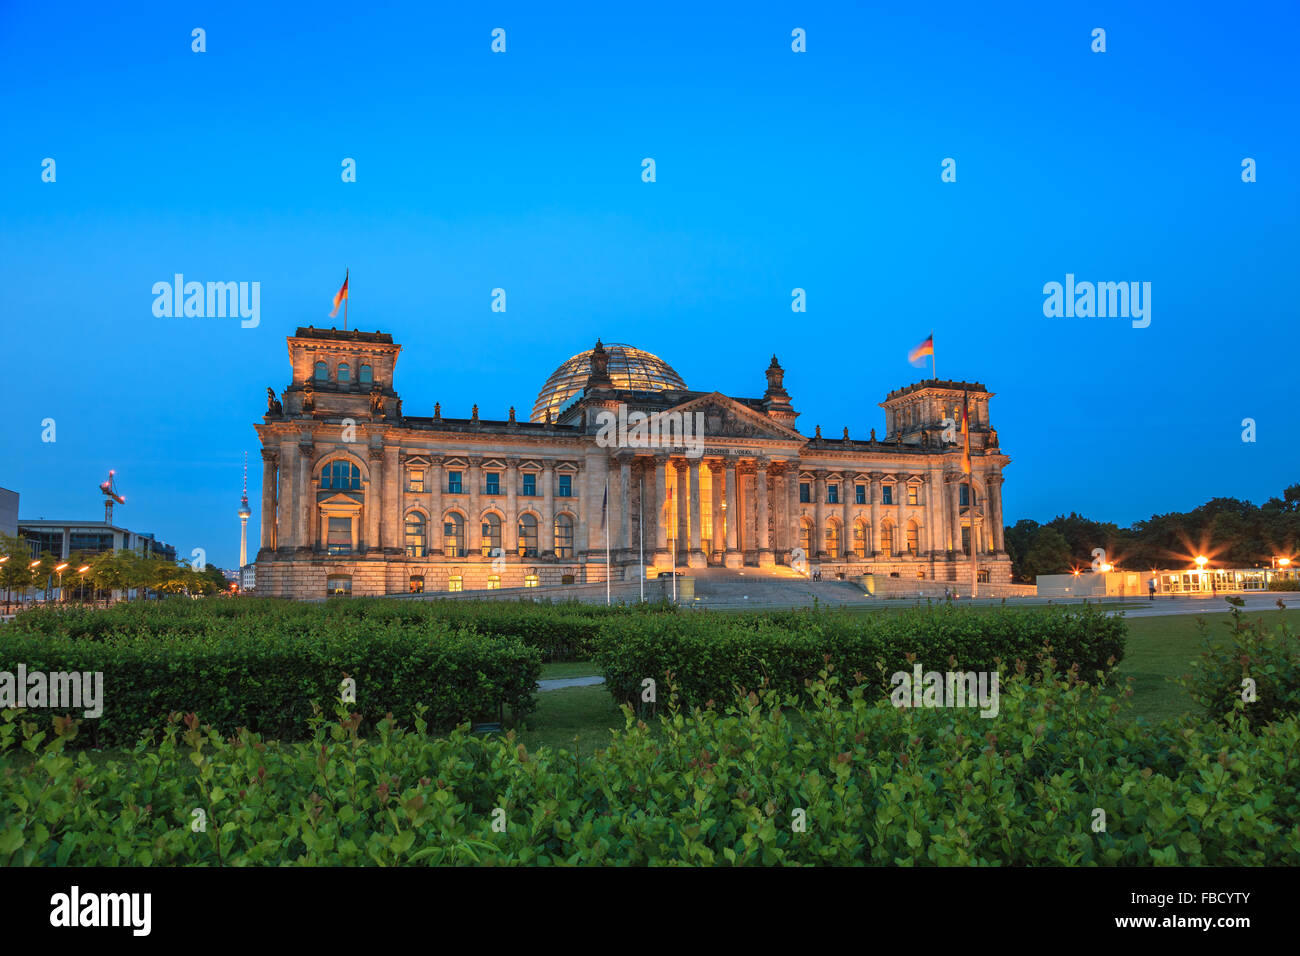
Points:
point(561, 631)
point(265, 674)
point(1270, 659)
point(845, 781)
point(710, 655)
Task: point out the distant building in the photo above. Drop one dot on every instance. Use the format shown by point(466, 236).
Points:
point(1087, 584)
point(63, 539)
point(8, 512)
point(247, 578)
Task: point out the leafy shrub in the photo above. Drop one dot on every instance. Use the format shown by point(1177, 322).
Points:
point(709, 656)
point(872, 785)
point(263, 674)
point(1284, 584)
point(1250, 651)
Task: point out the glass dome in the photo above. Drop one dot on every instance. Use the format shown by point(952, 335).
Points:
point(629, 367)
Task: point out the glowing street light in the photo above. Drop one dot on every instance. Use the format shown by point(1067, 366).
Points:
point(1201, 561)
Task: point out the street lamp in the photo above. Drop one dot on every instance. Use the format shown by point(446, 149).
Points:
point(1201, 561)
point(59, 568)
point(81, 588)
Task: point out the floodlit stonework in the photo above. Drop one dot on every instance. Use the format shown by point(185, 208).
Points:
point(360, 498)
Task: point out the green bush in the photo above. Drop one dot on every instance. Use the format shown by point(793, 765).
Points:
point(710, 656)
point(827, 778)
point(1284, 584)
point(263, 674)
point(1270, 659)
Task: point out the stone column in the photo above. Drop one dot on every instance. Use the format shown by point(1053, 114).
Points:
point(625, 504)
point(718, 544)
point(270, 464)
point(697, 558)
point(510, 529)
point(286, 538)
point(436, 479)
point(995, 512)
point(390, 521)
point(954, 513)
point(819, 513)
point(374, 496)
point(874, 536)
point(792, 510)
point(683, 513)
point(732, 558)
point(474, 524)
point(546, 529)
point(761, 515)
point(846, 522)
point(307, 510)
point(901, 490)
point(659, 512)
point(587, 507)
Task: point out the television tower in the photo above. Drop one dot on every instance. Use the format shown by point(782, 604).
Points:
point(244, 512)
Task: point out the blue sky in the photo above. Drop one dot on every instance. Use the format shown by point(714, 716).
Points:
point(775, 170)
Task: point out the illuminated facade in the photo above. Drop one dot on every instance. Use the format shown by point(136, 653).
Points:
point(360, 498)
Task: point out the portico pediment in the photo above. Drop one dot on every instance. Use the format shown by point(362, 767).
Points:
point(726, 418)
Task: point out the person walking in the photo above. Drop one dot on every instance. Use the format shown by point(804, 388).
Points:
point(1151, 589)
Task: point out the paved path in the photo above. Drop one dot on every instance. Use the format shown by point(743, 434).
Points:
point(559, 683)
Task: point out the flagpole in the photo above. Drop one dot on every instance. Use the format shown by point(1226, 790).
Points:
point(345, 301)
point(608, 569)
point(934, 364)
point(640, 527)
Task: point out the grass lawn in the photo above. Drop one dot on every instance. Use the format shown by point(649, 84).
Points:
point(1160, 648)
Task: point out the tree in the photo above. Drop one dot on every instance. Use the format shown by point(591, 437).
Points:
point(1048, 554)
point(15, 573)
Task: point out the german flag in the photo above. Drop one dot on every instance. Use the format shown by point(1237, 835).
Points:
point(340, 295)
point(965, 435)
point(919, 353)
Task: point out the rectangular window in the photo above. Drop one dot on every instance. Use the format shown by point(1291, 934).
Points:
point(566, 486)
point(492, 483)
point(453, 482)
point(912, 495)
point(805, 493)
point(860, 494)
point(833, 494)
point(340, 536)
point(963, 496)
point(530, 485)
point(887, 495)
point(417, 480)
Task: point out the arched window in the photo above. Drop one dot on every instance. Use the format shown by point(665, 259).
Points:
point(966, 495)
point(322, 372)
point(453, 530)
point(365, 375)
point(416, 543)
point(805, 537)
point(563, 536)
point(340, 475)
point(860, 538)
point(492, 536)
point(887, 539)
point(345, 373)
point(833, 538)
point(913, 537)
point(528, 536)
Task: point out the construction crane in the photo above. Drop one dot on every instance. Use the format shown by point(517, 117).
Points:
point(109, 488)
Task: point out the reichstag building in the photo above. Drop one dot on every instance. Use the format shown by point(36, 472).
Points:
point(359, 497)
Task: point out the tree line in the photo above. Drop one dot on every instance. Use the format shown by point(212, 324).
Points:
point(106, 571)
point(1230, 532)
